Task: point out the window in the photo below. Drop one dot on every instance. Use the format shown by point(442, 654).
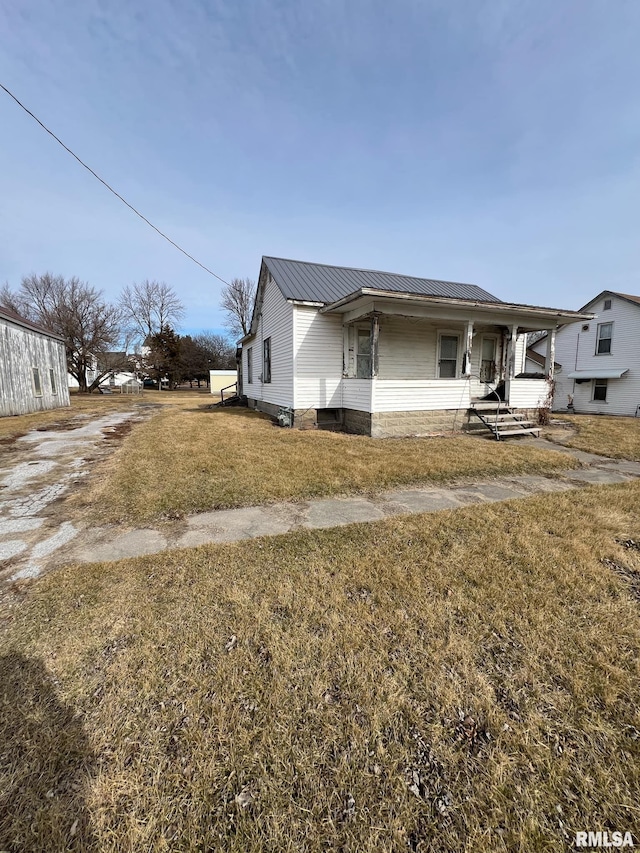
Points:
point(37, 385)
point(605, 333)
point(250, 366)
point(607, 305)
point(363, 358)
point(600, 390)
point(52, 380)
point(448, 361)
point(266, 360)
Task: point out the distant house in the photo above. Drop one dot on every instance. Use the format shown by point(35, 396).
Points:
point(598, 361)
point(386, 354)
point(33, 367)
point(116, 369)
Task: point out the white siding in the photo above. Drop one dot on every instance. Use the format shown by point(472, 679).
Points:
point(576, 350)
point(528, 393)
point(20, 351)
point(356, 394)
point(416, 395)
point(275, 322)
point(407, 349)
point(317, 358)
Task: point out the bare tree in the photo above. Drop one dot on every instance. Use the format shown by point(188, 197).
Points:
point(78, 313)
point(149, 307)
point(237, 301)
point(220, 352)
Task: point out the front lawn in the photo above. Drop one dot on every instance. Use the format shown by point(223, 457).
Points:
point(609, 436)
point(465, 681)
point(189, 459)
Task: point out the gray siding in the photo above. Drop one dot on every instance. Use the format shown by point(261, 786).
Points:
point(21, 350)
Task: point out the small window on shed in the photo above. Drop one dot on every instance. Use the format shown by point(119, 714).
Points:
point(607, 305)
point(52, 380)
point(37, 384)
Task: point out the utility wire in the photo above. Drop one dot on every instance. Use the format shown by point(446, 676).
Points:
point(111, 189)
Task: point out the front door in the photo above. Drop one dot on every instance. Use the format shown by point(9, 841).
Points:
point(488, 360)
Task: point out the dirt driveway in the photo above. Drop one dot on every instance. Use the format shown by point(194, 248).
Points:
point(40, 469)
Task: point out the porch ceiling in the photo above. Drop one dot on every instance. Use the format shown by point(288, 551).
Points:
point(527, 317)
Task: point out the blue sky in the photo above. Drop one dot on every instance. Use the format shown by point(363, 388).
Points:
point(489, 142)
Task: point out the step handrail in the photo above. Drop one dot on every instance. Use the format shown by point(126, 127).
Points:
point(492, 391)
point(226, 388)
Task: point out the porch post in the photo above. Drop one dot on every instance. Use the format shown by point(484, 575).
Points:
point(511, 352)
point(466, 363)
point(550, 355)
point(375, 330)
point(511, 361)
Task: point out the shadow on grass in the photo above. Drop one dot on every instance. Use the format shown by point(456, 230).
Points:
point(45, 760)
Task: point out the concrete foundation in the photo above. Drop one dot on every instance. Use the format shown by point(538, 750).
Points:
point(385, 424)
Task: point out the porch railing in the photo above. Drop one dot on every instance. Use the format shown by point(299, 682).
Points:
point(226, 388)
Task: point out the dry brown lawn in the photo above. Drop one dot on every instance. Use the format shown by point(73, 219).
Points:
point(609, 436)
point(188, 459)
point(466, 681)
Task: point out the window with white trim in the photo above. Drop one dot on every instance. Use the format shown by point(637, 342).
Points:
point(250, 366)
point(266, 360)
point(605, 334)
point(600, 390)
point(37, 384)
point(448, 348)
point(52, 380)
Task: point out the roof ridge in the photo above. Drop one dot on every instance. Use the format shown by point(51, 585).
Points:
point(368, 269)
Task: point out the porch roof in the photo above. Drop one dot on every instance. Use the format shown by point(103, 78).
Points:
point(527, 317)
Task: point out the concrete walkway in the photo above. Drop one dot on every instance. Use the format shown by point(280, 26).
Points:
point(33, 538)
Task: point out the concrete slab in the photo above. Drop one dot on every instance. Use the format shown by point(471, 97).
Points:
point(135, 543)
point(625, 466)
point(421, 500)
point(336, 512)
point(534, 484)
point(499, 491)
point(229, 525)
point(19, 525)
point(601, 476)
point(12, 548)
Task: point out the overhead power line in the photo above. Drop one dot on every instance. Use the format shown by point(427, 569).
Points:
point(110, 188)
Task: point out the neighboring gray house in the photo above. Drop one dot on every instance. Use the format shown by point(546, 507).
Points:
point(33, 367)
point(598, 368)
point(386, 354)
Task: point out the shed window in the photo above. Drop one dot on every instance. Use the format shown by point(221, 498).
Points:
point(37, 384)
point(52, 380)
point(363, 357)
point(605, 333)
point(250, 366)
point(600, 390)
point(448, 358)
point(266, 360)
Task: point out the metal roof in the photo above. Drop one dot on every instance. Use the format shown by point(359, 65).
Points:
point(310, 282)
point(12, 317)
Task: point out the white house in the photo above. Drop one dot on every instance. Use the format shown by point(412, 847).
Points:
point(33, 367)
point(385, 354)
point(598, 368)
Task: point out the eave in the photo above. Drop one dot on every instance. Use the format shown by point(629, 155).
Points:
point(527, 317)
